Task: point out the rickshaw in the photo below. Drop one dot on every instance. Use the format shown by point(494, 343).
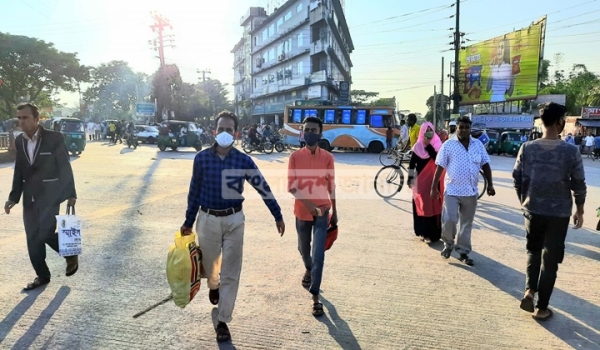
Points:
point(494, 141)
point(509, 143)
point(178, 133)
point(73, 132)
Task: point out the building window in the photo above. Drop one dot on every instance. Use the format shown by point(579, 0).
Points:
point(288, 16)
point(289, 45)
point(272, 54)
point(271, 30)
point(255, 41)
point(300, 68)
point(255, 83)
point(300, 39)
point(265, 37)
point(299, 7)
point(279, 23)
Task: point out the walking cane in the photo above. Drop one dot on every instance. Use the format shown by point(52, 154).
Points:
point(165, 300)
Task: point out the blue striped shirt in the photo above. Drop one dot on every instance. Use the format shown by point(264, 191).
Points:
point(219, 183)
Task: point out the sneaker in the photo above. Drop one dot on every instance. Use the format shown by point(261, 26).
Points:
point(465, 258)
point(446, 252)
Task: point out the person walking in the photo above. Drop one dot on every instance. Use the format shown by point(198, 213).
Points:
point(427, 211)
point(545, 174)
point(44, 177)
point(589, 143)
point(413, 128)
point(462, 157)
point(311, 180)
point(217, 203)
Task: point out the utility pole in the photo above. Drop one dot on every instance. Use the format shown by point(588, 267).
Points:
point(434, 107)
point(159, 26)
point(442, 97)
point(210, 103)
point(457, 43)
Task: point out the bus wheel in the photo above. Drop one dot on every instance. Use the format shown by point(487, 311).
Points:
point(324, 144)
point(376, 147)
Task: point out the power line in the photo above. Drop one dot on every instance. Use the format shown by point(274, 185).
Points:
point(400, 16)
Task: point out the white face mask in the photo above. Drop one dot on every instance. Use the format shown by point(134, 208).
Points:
point(224, 139)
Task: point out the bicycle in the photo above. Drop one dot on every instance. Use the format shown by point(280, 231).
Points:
point(393, 177)
point(390, 155)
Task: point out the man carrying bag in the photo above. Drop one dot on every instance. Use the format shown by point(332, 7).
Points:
point(44, 176)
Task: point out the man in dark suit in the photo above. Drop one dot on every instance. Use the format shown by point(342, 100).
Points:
point(44, 176)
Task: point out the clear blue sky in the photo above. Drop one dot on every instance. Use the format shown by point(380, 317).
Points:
point(398, 47)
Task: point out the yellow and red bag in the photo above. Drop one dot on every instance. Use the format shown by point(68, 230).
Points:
point(184, 269)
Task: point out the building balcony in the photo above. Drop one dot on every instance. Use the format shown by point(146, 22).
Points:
point(318, 13)
point(318, 47)
point(239, 60)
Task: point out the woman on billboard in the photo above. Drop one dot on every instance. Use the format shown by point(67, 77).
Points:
point(501, 80)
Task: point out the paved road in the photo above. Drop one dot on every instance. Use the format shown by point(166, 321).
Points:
point(382, 289)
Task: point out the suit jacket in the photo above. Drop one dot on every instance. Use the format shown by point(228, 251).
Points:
point(49, 180)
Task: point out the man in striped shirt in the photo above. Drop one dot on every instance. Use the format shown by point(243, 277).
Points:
point(216, 190)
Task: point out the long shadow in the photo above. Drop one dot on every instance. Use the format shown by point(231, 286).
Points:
point(390, 201)
point(509, 221)
point(572, 331)
point(228, 345)
point(338, 328)
point(7, 324)
point(38, 326)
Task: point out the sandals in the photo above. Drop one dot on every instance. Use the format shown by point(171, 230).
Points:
point(37, 282)
point(213, 296)
point(527, 303)
point(538, 318)
point(465, 258)
point(223, 333)
point(306, 281)
point(317, 309)
point(72, 265)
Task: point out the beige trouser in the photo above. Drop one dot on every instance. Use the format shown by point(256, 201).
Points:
point(221, 240)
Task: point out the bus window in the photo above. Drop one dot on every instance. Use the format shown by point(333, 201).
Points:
point(376, 121)
point(388, 121)
point(297, 116)
point(361, 117)
point(346, 116)
point(329, 116)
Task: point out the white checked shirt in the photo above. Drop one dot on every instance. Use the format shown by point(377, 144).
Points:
point(462, 166)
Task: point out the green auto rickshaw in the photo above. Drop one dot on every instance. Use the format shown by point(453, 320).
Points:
point(509, 143)
point(492, 145)
point(73, 132)
point(177, 133)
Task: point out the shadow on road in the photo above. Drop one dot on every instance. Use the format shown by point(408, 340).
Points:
point(580, 331)
point(391, 201)
point(7, 324)
point(38, 326)
point(338, 328)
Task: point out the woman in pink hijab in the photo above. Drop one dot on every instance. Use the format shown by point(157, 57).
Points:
point(426, 210)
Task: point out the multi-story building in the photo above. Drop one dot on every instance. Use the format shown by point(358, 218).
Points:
point(300, 51)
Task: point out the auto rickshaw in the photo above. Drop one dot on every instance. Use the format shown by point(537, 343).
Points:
point(494, 141)
point(73, 132)
point(177, 133)
point(509, 143)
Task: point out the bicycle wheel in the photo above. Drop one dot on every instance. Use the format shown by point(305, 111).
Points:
point(387, 157)
point(482, 184)
point(389, 181)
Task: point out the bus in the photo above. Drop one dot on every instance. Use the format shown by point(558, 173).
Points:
point(344, 127)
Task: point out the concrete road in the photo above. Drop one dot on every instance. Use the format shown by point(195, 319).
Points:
point(382, 288)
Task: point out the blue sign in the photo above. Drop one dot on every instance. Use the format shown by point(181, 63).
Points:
point(145, 109)
point(297, 116)
point(381, 111)
point(346, 116)
point(506, 121)
point(329, 116)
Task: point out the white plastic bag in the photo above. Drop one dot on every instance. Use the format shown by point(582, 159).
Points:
point(69, 233)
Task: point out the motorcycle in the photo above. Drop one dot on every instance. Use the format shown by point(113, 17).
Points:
point(277, 142)
point(132, 140)
point(264, 146)
point(207, 138)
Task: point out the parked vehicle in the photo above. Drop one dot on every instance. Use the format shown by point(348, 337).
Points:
point(176, 137)
point(146, 133)
point(494, 139)
point(509, 143)
point(73, 131)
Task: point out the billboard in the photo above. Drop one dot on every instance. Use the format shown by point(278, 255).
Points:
point(590, 113)
point(498, 121)
point(145, 109)
point(505, 68)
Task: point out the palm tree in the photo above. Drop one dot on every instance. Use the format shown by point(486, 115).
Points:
point(594, 97)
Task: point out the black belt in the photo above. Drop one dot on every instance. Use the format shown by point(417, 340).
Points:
point(221, 212)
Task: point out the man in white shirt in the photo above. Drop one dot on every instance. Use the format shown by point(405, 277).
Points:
point(589, 143)
point(91, 126)
point(404, 138)
point(462, 157)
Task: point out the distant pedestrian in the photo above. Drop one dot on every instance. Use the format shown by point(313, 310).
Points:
point(311, 180)
point(43, 176)
point(413, 128)
point(462, 157)
point(98, 131)
point(546, 171)
point(220, 224)
point(589, 143)
point(301, 137)
point(404, 139)
point(389, 135)
point(90, 130)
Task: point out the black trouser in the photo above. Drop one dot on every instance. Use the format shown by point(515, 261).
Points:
point(545, 250)
point(40, 228)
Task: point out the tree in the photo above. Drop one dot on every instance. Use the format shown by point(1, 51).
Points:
point(115, 89)
point(166, 82)
point(580, 88)
point(34, 68)
point(442, 113)
point(361, 96)
point(544, 73)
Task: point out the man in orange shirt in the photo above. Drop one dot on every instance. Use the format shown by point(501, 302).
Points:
point(311, 179)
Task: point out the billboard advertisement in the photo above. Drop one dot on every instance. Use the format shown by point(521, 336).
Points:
point(590, 113)
point(505, 68)
point(509, 121)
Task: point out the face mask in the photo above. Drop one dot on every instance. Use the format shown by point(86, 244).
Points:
point(311, 139)
point(429, 135)
point(224, 139)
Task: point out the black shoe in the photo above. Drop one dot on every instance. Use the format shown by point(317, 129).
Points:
point(446, 253)
point(465, 258)
point(37, 282)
